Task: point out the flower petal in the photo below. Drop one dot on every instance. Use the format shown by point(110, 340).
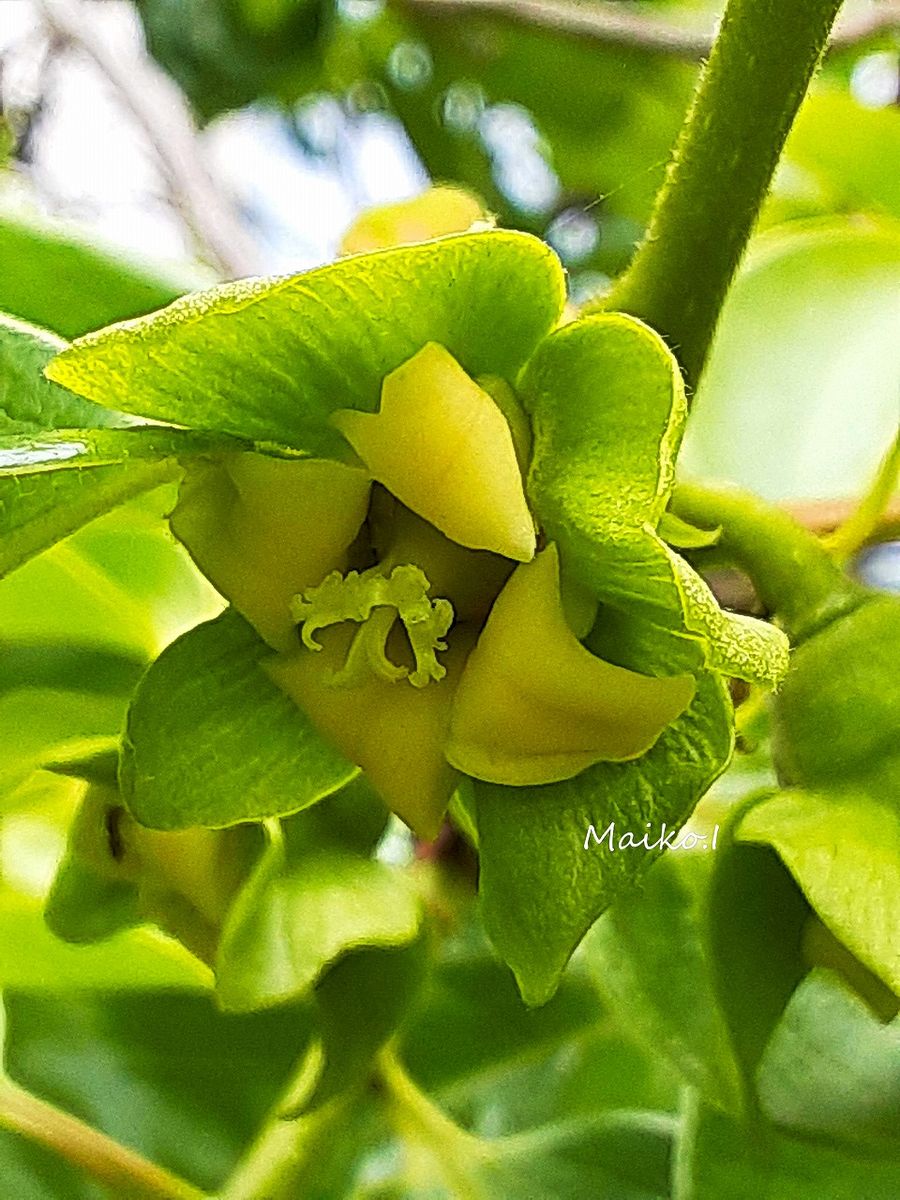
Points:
point(395, 732)
point(442, 446)
point(263, 529)
point(534, 706)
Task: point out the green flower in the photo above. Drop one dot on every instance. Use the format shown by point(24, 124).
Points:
point(433, 636)
point(472, 500)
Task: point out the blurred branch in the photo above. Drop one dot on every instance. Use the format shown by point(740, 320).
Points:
point(123, 1171)
point(162, 112)
point(613, 24)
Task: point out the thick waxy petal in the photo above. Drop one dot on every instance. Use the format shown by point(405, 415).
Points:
point(442, 445)
point(396, 733)
point(534, 706)
point(263, 529)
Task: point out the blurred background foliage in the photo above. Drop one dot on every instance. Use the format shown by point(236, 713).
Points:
point(304, 112)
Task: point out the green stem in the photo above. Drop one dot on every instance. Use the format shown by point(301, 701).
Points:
point(863, 522)
point(283, 1155)
point(126, 1174)
point(420, 1122)
point(793, 573)
point(746, 101)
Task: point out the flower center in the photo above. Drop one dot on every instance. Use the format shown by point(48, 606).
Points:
point(377, 600)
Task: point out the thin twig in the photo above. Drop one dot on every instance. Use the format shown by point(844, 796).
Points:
point(613, 25)
point(162, 112)
point(127, 1174)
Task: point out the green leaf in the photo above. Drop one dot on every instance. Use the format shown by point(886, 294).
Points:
point(30, 403)
point(849, 148)
point(33, 958)
point(723, 1159)
point(210, 740)
point(832, 1069)
point(37, 510)
point(361, 1002)
point(756, 918)
point(843, 849)
point(541, 889)
point(298, 914)
point(651, 957)
point(55, 278)
point(837, 728)
point(163, 1072)
point(272, 359)
point(812, 315)
point(53, 482)
point(608, 410)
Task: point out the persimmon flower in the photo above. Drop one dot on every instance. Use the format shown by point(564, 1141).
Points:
point(417, 616)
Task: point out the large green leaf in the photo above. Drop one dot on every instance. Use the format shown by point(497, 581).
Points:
point(29, 403)
point(843, 848)
point(850, 149)
point(832, 1069)
point(756, 919)
point(211, 741)
point(608, 410)
point(723, 1159)
point(799, 399)
point(272, 359)
point(57, 279)
point(542, 887)
point(651, 958)
point(165, 1073)
point(52, 482)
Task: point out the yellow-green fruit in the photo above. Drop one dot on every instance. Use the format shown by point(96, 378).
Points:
point(534, 706)
point(263, 529)
point(441, 445)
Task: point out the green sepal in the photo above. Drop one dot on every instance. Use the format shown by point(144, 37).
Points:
point(540, 888)
point(271, 359)
point(608, 410)
point(210, 740)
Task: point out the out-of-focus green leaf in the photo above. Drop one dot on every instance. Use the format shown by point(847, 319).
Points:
point(300, 913)
point(832, 1070)
point(799, 399)
point(272, 359)
point(650, 956)
point(756, 917)
point(722, 1158)
point(361, 1002)
point(226, 53)
point(500, 1068)
point(164, 1073)
point(58, 280)
point(32, 958)
point(851, 150)
point(836, 719)
point(210, 740)
point(843, 849)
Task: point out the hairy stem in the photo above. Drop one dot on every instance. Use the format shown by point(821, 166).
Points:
point(747, 98)
point(126, 1174)
point(794, 575)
